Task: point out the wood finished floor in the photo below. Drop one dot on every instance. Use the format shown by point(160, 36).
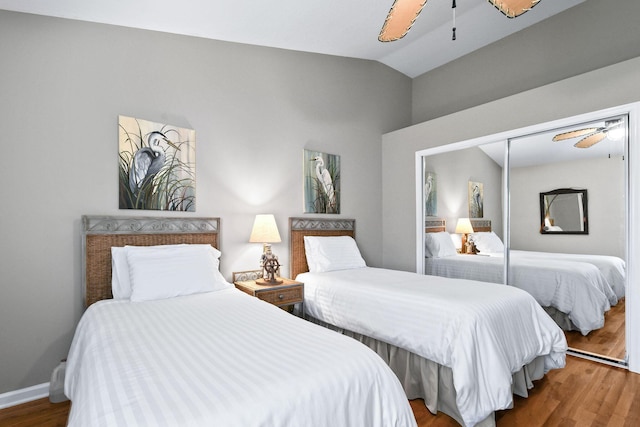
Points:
point(583, 394)
point(608, 341)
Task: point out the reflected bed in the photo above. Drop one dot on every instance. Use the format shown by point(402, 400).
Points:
point(577, 290)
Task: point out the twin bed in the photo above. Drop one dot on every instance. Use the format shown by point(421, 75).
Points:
point(465, 347)
point(175, 353)
point(160, 351)
point(577, 290)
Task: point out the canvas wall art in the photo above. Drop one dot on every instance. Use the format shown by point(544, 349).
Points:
point(157, 166)
point(430, 194)
point(476, 200)
point(321, 182)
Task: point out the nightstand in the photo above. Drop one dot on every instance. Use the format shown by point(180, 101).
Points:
point(287, 293)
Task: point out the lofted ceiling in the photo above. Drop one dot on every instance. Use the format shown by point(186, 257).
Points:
point(335, 27)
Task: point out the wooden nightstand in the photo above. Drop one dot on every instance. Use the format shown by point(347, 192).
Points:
point(287, 293)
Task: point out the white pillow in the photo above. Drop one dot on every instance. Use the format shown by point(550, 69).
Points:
point(332, 253)
point(487, 242)
point(120, 273)
point(158, 273)
point(438, 245)
point(120, 283)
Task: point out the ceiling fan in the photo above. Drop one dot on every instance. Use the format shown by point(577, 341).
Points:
point(592, 135)
point(403, 14)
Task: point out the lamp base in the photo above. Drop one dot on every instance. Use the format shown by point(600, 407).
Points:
point(266, 282)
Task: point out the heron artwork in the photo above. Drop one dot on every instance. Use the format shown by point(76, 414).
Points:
point(157, 164)
point(148, 161)
point(322, 188)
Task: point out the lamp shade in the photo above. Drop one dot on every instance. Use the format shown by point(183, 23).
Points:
point(464, 226)
point(265, 230)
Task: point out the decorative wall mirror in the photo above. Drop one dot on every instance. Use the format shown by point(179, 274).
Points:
point(564, 211)
point(528, 162)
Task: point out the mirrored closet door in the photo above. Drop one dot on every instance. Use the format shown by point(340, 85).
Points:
point(568, 213)
point(549, 210)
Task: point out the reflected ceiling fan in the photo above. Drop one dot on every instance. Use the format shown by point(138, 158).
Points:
point(403, 14)
point(592, 135)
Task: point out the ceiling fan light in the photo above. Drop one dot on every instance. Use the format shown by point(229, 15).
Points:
point(514, 8)
point(401, 17)
point(615, 130)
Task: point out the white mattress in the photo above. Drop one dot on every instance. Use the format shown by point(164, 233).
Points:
point(223, 358)
point(484, 332)
point(576, 288)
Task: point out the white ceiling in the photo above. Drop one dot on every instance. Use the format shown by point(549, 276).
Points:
point(346, 28)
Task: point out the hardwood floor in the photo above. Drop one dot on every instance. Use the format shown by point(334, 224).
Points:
point(608, 341)
point(582, 394)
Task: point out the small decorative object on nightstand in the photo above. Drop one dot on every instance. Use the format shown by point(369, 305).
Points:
point(265, 231)
point(287, 293)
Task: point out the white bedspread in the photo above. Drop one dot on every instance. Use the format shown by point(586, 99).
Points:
point(227, 359)
point(612, 268)
point(484, 332)
point(576, 288)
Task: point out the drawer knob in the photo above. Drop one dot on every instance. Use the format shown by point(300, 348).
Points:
point(281, 296)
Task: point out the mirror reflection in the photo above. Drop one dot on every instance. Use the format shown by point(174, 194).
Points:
point(579, 274)
point(564, 211)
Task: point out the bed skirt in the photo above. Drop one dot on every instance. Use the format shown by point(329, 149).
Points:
point(561, 319)
point(425, 379)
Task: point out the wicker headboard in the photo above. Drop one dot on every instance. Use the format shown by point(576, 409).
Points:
point(100, 233)
point(300, 227)
point(480, 225)
point(435, 225)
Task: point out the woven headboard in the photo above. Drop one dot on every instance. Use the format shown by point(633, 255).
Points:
point(300, 227)
point(435, 225)
point(100, 233)
point(480, 225)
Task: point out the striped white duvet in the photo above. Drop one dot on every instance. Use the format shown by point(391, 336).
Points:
point(612, 268)
point(576, 288)
point(484, 332)
point(226, 359)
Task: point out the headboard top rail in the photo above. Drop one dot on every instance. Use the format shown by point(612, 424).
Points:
point(93, 224)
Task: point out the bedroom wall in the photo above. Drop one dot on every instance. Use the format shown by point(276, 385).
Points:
point(603, 178)
point(453, 172)
point(596, 90)
point(586, 37)
point(254, 110)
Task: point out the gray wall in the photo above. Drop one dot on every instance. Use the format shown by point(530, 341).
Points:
point(254, 110)
point(603, 178)
point(584, 38)
point(596, 90)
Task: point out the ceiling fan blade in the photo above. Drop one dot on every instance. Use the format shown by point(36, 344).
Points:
point(591, 140)
point(401, 17)
point(513, 8)
point(575, 133)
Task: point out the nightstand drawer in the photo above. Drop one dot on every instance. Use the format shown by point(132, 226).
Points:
point(286, 296)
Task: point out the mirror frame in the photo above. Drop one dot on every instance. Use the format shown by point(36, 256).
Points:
point(559, 191)
point(632, 222)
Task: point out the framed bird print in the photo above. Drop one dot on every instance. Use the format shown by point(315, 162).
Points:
point(157, 164)
point(430, 194)
point(321, 182)
point(476, 200)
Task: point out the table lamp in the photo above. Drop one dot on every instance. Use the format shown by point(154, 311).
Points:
point(265, 231)
point(464, 227)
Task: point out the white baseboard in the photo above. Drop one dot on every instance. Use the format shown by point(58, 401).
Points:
point(16, 397)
